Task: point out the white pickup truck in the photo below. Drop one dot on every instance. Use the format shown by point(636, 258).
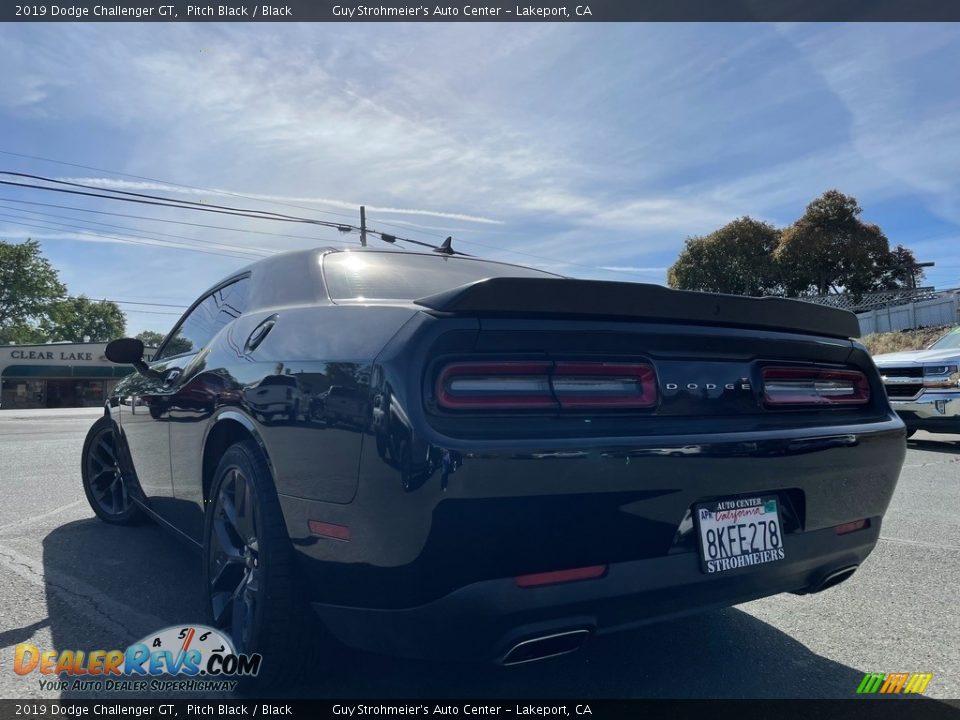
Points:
point(924, 385)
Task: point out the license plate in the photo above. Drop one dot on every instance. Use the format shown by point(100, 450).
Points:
point(738, 533)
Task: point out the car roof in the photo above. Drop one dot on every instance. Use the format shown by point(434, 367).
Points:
point(302, 275)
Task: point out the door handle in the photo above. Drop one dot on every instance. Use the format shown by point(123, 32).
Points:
point(170, 377)
point(259, 333)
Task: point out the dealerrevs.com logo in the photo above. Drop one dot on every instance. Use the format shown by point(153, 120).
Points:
point(197, 657)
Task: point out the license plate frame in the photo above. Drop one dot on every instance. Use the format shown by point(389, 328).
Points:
point(749, 516)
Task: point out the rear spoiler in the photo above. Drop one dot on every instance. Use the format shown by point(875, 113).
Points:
point(639, 301)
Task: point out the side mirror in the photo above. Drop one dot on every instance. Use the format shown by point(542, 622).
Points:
point(128, 351)
point(124, 351)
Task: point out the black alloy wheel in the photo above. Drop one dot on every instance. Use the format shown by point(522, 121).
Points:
point(253, 586)
point(107, 489)
point(234, 559)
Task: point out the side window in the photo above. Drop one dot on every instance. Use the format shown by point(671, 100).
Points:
point(206, 319)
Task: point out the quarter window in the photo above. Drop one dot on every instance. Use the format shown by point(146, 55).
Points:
point(206, 319)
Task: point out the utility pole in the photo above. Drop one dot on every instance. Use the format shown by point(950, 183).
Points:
point(363, 226)
point(916, 270)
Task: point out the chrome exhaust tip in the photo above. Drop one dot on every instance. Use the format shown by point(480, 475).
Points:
point(835, 578)
point(545, 646)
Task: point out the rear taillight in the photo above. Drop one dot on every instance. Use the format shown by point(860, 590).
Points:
point(510, 385)
point(585, 385)
point(786, 386)
point(490, 385)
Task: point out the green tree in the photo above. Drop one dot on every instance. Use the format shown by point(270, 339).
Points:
point(736, 259)
point(75, 318)
point(29, 288)
point(902, 270)
point(150, 339)
point(830, 249)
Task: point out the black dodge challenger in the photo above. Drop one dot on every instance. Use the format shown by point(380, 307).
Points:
point(447, 457)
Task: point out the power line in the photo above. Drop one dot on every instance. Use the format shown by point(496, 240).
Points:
point(549, 259)
point(251, 251)
point(391, 239)
point(152, 312)
point(159, 200)
point(127, 302)
point(174, 184)
point(339, 226)
point(534, 256)
point(274, 202)
point(255, 214)
point(128, 193)
point(154, 242)
point(382, 234)
point(404, 227)
point(220, 209)
point(163, 220)
point(157, 243)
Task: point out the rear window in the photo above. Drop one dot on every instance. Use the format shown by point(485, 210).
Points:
point(398, 276)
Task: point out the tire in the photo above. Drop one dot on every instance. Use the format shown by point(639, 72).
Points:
point(106, 488)
point(250, 577)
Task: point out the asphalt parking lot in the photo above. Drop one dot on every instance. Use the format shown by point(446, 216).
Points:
point(68, 581)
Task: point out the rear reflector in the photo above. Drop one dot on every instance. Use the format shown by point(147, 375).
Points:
point(546, 385)
point(851, 527)
point(785, 386)
point(329, 530)
point(560, 576)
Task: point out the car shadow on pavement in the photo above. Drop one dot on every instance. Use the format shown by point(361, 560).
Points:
point(951, 447)
point(109, 586)
point(719, 654)
point(17, 635)
point(117, 584)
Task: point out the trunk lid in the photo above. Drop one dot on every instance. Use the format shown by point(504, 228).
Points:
point(709, 378)
point(553, 297)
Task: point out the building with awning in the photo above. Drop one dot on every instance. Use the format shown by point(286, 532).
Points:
point(56, 375)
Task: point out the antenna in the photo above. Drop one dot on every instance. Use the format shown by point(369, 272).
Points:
point(446, 248)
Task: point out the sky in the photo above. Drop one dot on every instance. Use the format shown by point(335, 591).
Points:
point(592, 150)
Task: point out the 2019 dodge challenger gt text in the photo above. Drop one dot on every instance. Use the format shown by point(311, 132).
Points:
point(438, 456)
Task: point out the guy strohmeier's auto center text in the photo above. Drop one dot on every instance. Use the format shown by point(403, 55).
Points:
point(351, 711)
point(253, 11)
point(553, 12)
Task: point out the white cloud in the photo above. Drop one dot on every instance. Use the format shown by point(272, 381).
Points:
point(596, 148)
point(904, 126)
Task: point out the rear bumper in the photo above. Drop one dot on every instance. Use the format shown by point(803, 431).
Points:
point(933, 411)
point(483, 620)
point(499, 512)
